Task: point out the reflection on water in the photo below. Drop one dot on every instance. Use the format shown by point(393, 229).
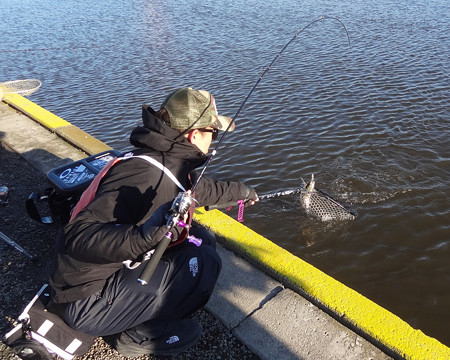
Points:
point(371, 121)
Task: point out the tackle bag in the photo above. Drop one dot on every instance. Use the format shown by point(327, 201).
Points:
point(41, 333)
point(67, 184)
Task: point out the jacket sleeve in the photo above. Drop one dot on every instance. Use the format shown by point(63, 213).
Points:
point(211, 192)
point(111, 228)
point(103, 243)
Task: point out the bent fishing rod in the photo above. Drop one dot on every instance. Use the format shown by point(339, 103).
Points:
point(263, 73)
point(180, 202)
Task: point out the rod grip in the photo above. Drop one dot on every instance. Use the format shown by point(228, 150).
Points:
point(150, 266)
point(222, 205)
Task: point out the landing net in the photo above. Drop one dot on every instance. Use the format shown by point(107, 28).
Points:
point(21, 87)
point(323, 206)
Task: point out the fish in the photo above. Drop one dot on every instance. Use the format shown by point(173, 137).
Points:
point(309, 189)
point(321, 205)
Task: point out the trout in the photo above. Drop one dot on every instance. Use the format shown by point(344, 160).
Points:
point(309, 189)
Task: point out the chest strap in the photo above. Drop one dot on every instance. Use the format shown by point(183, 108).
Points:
point(159, 166)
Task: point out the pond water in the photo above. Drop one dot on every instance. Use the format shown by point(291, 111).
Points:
point(370, 120)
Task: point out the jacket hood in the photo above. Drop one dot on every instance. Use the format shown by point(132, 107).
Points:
point(158, 136)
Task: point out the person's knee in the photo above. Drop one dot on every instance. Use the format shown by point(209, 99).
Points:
point(193, 266)
point(205, 267)
point(210, 266)
point(212, 257)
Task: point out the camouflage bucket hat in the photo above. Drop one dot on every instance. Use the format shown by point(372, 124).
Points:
point(194, 109)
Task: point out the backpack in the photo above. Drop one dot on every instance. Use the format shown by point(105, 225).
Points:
point(67, 184)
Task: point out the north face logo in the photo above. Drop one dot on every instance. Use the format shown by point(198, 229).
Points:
point(193, 266)
point(173, 339)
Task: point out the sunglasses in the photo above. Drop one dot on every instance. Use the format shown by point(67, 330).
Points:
point(215, 132)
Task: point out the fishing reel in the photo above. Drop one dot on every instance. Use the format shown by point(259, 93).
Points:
point(179, 208)
point(175, 216)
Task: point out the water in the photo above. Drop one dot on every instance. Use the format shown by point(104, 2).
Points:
point(371, 121)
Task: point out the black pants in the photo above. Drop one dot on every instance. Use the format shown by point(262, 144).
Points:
point(182, 283)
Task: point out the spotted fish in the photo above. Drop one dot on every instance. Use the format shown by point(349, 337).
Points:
point(309, 189)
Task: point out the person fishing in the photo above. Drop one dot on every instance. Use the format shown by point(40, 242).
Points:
point(98, 253)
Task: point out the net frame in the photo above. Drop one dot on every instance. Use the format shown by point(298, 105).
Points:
point(22, 87)
point(324, 207)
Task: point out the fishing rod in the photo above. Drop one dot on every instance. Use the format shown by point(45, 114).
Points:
point(16, 246)
point(264, 72)
point(184, 199)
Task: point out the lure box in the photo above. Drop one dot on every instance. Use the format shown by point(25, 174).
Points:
point(73, 178)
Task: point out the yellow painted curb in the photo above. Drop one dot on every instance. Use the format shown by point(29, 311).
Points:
point(45, 117)
point(380, 324)
point(72, 134)
point(82, 140)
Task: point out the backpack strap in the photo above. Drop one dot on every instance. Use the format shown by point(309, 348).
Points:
point(89, 194)
point(159, 166)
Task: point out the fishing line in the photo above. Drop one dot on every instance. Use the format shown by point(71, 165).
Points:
point(309, 191)
point(263, 73)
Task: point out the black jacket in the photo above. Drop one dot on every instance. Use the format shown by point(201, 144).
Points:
point(108, 231)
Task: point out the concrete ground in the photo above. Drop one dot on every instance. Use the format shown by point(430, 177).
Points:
point(274, 322)
point(277, 323)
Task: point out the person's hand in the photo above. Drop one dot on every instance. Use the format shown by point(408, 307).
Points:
point(251, 198)
point(155, 228)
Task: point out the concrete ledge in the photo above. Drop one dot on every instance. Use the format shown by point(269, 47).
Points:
point(277, 323)
point(292, 324)
point(62, 128)
point(34, 142)
point(81, 139)
point(45, 117)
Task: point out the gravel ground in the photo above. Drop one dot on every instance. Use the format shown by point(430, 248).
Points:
point(21, 278)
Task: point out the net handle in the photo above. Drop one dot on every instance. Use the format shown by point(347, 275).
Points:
point(316, 192)
point(260, 197)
